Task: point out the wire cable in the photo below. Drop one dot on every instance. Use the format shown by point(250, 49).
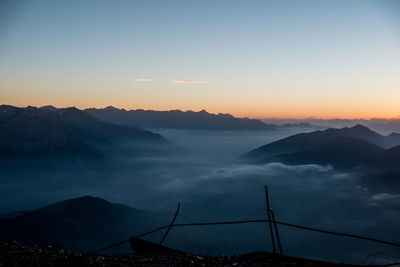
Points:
point(252, 221)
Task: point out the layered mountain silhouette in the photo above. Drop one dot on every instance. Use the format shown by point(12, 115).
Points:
point(80, 224)
point(364, 133)
point(176, 119)
point(343, 148)
point(50, 131)
point(89, 223)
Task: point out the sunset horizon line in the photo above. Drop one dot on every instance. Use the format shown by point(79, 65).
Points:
point(236, 115)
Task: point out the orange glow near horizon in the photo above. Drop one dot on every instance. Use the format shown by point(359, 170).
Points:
point(240, 112)
point(265, 60)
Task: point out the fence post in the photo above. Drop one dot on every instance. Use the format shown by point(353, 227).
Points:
point(171, 224)
point(269, 219)
point(276, 232)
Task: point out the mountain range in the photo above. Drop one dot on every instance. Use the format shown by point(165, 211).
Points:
point(346, 148)
point(386, 125)
point(48, 131)
point(176, 119)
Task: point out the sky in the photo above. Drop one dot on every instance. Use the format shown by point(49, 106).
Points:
point(260, 59)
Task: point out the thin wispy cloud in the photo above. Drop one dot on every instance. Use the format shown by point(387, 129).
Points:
point(186, 82)
point(139, 80)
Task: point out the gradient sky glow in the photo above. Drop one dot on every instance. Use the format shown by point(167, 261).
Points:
point(248, 58)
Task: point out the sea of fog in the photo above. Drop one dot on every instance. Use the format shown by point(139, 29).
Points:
point(203, 172)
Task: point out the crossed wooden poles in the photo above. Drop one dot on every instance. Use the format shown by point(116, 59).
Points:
point(271, 215)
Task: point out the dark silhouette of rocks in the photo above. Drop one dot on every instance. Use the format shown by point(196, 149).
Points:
point(16, 254)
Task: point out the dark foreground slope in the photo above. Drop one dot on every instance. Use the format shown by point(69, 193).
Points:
point(15, 254)
point(88, 223)
point(176, 119)
point(80, 224)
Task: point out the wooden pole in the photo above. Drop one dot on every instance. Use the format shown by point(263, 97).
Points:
point(276, 232)
point(269, 219)
point(171, 224)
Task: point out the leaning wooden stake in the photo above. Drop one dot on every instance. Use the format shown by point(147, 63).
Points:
point(276, 232)
point(269, 219)
point(171, 224)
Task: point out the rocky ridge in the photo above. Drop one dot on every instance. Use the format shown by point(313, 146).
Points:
point(18, 255)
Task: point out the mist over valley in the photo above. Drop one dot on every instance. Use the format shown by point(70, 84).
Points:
point(206, 172)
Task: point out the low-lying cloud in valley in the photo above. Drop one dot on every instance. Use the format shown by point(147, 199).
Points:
point(203, 172)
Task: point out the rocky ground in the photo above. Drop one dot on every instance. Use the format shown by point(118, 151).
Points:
point(17, 255)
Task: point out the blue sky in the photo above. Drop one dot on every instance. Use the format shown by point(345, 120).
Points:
point(248, 58)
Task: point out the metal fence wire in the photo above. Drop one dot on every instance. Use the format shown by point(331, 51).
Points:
point(272, 225)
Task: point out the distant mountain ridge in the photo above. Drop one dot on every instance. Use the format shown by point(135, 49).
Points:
point(343, 148)
point(177, 119)
point(386, 125)
point(50, 131)
point(364, 133)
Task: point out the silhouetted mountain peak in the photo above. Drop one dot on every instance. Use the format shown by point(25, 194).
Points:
point(48, 108)
point(75, 204)
point(366, 134)
point(354, 130)
point(7, 109)
point(72, 110)
point(111, 108)
point(225, 115)
point(361, 129)
point(397, 135)
point(7, 106)
point(86, 198)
